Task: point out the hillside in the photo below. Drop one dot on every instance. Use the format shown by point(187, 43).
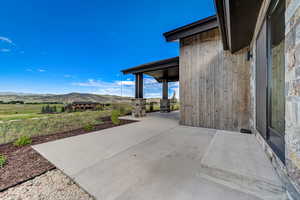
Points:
point(65, 98)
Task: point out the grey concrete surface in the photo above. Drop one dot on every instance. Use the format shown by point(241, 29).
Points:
point(155, 158)
point(227, 152)
point(238, 160)
point(76, 153)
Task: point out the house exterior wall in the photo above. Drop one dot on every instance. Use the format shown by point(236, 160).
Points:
point(292, 80)
point(214, 84)
point(290, 171)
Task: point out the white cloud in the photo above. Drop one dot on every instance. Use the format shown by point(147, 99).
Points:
point(6, 44)
point(32, 69)
point(152, 89)
point(69, 76)
point(150, 81)
point(89, 83)
point(110, 88)
point(5, 50)
point(7, 40)
point(125, 82)
point(153, 95)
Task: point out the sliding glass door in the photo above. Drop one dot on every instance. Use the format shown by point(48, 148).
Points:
point(270, 79)
point(276, 77)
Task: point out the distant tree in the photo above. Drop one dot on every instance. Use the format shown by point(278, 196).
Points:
point(43, 111)
point(15, 102)
point(174, 100)
point(62, 109)
point(100, 107)
point(47, 109)
point(54, 110)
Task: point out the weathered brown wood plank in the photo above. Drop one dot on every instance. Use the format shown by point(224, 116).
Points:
point(214, 85)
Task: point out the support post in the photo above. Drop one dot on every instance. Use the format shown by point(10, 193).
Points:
point(165, 102)
point(165, 91)
point(139, 103)
point(139, 86)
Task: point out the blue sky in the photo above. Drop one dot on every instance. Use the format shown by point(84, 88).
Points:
point(62, 46)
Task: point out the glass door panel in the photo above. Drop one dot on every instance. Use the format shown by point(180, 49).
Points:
point(276, 77)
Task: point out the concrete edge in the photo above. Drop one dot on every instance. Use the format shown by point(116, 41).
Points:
point(279, 167)
point(258, 188)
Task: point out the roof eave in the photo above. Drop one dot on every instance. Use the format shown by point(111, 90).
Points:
point(166, 63)
point(200, 26)
point(237, 19)
point(219, 6)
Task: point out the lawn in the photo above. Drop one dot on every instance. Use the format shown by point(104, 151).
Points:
point(22, 111)
point(25, 119)
point(48, 124)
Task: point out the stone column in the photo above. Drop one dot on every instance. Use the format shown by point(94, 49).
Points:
point(165, 102)
point(292, 79)
point(139, 107)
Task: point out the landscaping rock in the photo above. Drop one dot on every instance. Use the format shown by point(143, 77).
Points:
point(53, 185)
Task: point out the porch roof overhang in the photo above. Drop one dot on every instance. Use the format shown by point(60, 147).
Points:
point(161, 70)
point(237, 20)
point(197, 27)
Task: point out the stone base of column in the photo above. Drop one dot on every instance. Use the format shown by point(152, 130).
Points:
point(139, 108)
point(165, 105)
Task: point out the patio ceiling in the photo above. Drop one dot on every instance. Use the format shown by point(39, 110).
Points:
point(161, 70)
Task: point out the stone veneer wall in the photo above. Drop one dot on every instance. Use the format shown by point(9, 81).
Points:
point(292, 79)
point(290, 174)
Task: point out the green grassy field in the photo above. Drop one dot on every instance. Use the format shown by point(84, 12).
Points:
point(22, 111)
point(49, 124)
point(25, 119)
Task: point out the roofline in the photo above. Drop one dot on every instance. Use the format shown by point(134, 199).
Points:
point(200, 26)
point(219, 6)
point(237, 21)
point(153, 66)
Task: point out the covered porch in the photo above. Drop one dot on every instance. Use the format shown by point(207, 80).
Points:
point(163, 71)
point(156, 158)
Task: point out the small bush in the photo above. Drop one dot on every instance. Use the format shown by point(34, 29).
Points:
point(62, 109)
point(22, 141)
point(89, 127)
point(115, 117)
point(2, 160)
point(122, 110)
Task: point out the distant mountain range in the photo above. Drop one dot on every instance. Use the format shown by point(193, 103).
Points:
point(64, 98)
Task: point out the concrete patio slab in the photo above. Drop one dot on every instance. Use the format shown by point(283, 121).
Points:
point(71, 155)
point(222, 154)
point(155, 158)
point(166, 158)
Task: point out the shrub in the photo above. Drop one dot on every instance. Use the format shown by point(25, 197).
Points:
point(22, 141)
point(62, 109)
point(122, 110)
point(88, 127)
point(115, 117)
point(100, 107)
point(2, 160)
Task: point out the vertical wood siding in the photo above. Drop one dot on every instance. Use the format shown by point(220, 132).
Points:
point(214, 84)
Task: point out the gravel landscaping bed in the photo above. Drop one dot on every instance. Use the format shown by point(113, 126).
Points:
point(24, 163)
point(53, 185)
